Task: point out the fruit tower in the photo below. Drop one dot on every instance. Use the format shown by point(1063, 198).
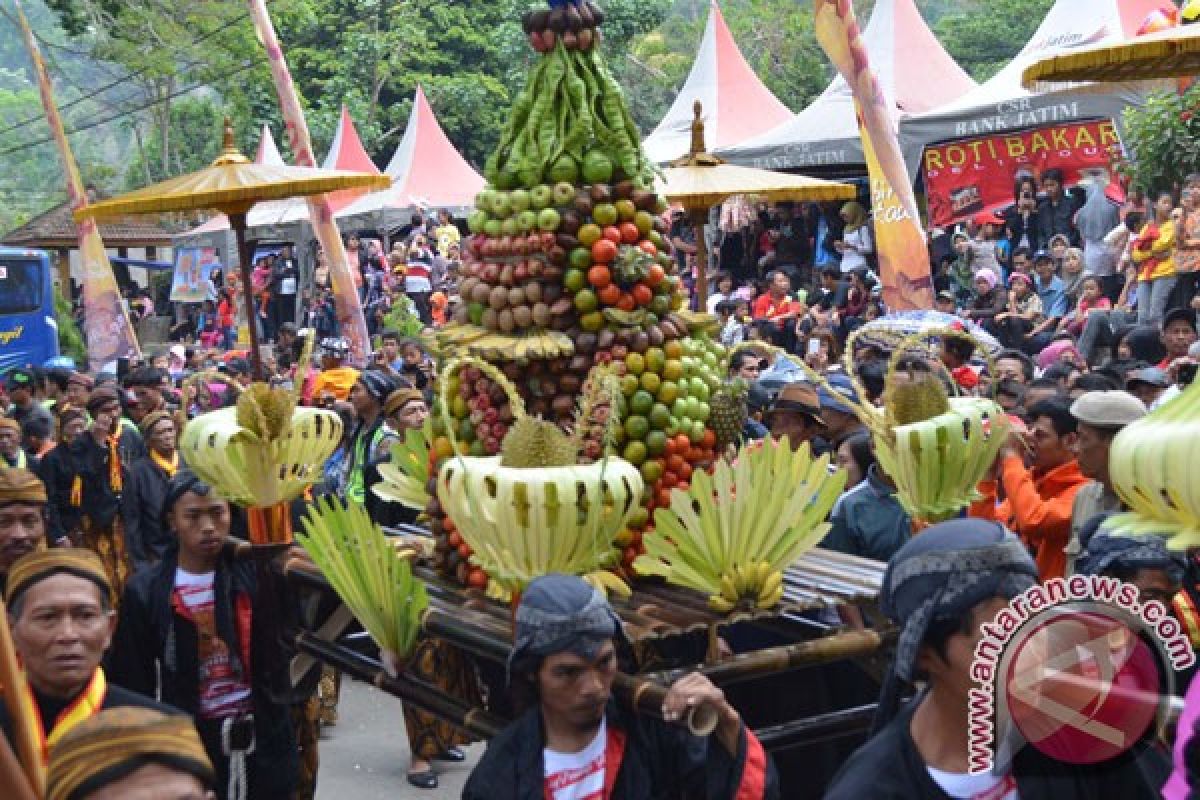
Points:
point(568, 266)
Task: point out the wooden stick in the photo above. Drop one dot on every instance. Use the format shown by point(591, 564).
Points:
point(13, 680)
point(14, 783)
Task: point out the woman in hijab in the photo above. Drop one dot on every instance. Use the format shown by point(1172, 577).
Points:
point(856, 242)
point(1072, 274)
point(989, 299)
point(1095, 220)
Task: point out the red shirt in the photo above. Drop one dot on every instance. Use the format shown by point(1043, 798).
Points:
point(766, 307)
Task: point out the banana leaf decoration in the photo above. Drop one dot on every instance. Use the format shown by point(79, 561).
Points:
point(405, 478)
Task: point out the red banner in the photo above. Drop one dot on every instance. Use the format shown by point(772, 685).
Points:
point(972, 175)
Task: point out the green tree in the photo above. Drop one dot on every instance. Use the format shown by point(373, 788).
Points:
point(984, 35)
point(1163, 139)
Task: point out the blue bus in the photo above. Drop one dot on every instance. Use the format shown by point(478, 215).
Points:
point(28, 329)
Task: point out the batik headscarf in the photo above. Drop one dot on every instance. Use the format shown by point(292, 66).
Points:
point(561, 614)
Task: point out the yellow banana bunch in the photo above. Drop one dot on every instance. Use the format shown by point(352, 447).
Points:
point(492, 346)
point(364, 568)
point(522, 522)
point(732, 533)
point(405, 478)
point(937, 463)
point(1150, 464)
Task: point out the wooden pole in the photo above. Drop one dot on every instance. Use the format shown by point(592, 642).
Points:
point(237, 221)
point(14, 783)
point(12, 678)
point(699, 218)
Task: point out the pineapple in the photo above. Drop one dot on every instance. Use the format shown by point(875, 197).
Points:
point(728, 413)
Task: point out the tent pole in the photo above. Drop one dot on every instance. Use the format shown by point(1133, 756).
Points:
point(699, 217)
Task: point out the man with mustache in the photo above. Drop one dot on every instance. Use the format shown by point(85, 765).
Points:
point(61, 613)
point(22, 517)
point(576, 743)
point(189, 631)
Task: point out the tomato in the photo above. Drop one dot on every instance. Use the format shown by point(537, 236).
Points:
point(683, 486)
point(477, 578)
point(613, 234)
point(682, 443)
point(629, 233)
point(648, 247)
point(669, 480)
point(599, 277)
point(664, 498)
point(464, 551)
point(642, 294)
point(710, 439)
point(604, 251)
point(609, 295)
point(454, 539)
point(669, 450)
point(626, 303)
point(685, 471)
point(449, 525)
point(654, 275)
point(674, 463)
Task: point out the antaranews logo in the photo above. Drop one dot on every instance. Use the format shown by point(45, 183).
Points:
point(1079, 668)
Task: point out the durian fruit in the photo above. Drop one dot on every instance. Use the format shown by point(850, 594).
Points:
point(265, 411)
point(533, 443)
point(728, 413)
point(915, 396)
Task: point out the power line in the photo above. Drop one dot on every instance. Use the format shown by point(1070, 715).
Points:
point(96, 123)
point(124, 79)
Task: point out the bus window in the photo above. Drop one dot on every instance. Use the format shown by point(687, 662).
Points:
point(20, 286)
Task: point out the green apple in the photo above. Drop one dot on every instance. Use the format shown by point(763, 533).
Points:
point(519, 200)
point(564, 193)
point(541, 196)
point(548, 219)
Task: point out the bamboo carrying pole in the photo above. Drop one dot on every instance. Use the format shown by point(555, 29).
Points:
point(13, 680)
point(14, 783)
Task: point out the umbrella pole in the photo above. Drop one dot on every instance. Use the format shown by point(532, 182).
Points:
point(238, 223)
point(699, 217)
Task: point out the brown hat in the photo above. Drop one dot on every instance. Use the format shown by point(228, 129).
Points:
point(102, 397)
point(400, 398)
point(113, 743)
point(21, 486)
point(150, 420)
point(35, 567)
point(800, 397)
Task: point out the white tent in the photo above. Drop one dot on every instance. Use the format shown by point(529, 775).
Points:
point(1001, 104)
point(904, 54)
point(737, 106)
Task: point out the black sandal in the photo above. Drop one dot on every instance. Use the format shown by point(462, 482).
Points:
point(427, 779)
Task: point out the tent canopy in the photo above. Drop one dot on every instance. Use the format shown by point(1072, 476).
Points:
point(904, 54)
point(737, 106)
point(426, 171)
point(1001, 104)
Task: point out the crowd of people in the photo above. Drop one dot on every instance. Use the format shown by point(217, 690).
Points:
point(128, 604)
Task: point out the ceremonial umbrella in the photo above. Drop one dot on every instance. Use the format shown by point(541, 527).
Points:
point(1163, 54)
point(700, 180)
point(232, 185)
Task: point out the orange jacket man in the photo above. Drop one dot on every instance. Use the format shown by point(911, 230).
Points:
point(1037, 501)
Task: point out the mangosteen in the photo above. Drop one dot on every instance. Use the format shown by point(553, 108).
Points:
point(624, 189)
point(585, 343)
point(601, 193)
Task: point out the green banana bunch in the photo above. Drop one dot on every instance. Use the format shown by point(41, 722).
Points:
point(260, 465)
point(373, 579)
point(1150, 463)
point(522, 522)
point(732, 533)
point(405, 478)
point(937, 463)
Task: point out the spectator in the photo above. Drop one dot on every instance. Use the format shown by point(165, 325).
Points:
point(1178, 334)
point(1038, 501)
point(1187, 243)
point(1095, 220)
point(944, 302)
point(1100, 417)
point(1024, 313)
point(1142, 561)
point(1049, 288)
point(795, 414)
point(1056, 210)
point(285, 278)
point(1014, 365)
point(838, 399)
point(745, 364)
point(988, 301)
point(1010, 396)
point(1072, 275)
point(1091, 298)
point(854, 454)
point(1147, 385)
point(1020, 221)
point(724, 286)
point(776, 306)
point(731, 329)
point(446, 234)
point(857, 241)
point(1153, 253)
point(868, 520)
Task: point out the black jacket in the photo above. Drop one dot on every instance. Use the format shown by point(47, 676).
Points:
point(1053, 219)
point(145, 539)
point(114, 697)
point(155, 652)
point(88, 460)
point(659, 761)
point(888, 767)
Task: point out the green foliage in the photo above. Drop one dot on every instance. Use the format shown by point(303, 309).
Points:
point(403, 318)
point(70, 338)
point(984, 35)
point(1163, 138)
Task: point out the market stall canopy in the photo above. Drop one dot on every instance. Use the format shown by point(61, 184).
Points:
point(426, 171)
point(1162, 54)
point(904, 54)
point(738, 105)
point(1002, 104)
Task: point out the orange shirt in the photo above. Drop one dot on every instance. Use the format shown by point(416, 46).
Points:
point(1037, 507)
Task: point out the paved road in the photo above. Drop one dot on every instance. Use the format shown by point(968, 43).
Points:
point(364, 757)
